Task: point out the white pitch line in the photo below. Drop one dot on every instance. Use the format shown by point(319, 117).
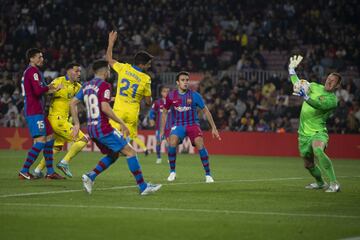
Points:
point(164, 184)
point(132, 186)
point(191, 210)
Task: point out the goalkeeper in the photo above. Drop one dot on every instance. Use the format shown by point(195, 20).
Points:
point(319, 103)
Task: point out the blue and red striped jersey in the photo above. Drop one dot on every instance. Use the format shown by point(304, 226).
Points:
point(184, 106)
point(33, 88)
point(93, 93)
point(156, 114)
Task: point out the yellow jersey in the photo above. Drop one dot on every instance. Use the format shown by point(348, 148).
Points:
point(60, 102)
point(132, 86)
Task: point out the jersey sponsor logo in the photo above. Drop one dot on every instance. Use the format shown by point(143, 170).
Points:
point(107, 94)
point(36, 77)
point(182, 109)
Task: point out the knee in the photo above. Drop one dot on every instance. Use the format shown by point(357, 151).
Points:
point(114, 156)
point(318, 152)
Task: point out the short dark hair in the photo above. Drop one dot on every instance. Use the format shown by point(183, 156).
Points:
point(98, 64)
point(182, 73)
point(338, 75)
point(143, 57)
point(31, 52)
point(71, 65)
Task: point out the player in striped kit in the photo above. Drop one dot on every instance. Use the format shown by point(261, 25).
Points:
point(34, 88)
point(96, 95)
point(186, 123)
point(155, 115)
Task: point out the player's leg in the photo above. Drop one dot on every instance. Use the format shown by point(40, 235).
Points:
point(306, 152)
point(58, 145)
point(315, 171)
point(158, 147)
point(177, 135)
point(141, 144)
point(196, 139)
point(48, 154)
point(325, 164)
point(135, 169)
point(36, 125)
point(104, 163)
point(132, 124)
point(74, 149)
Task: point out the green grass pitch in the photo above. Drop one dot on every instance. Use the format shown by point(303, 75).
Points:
point(252, 198)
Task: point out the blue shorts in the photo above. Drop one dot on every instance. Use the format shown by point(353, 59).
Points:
point(192, 132)
point(37, 125)
point(111, 143)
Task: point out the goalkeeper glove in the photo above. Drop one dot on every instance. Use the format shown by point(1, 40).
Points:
point(294, 62)
point(302, 93)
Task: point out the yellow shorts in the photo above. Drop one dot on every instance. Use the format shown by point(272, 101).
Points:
point(130, 117)
point(62, 130)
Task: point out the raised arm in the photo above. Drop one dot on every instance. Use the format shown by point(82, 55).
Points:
point(109, 50)
point(294, 62)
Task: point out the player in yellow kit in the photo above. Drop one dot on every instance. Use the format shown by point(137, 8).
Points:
point(133, 85)
point(59, 119)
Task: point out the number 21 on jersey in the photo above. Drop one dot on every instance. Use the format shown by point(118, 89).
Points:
point(126, 85)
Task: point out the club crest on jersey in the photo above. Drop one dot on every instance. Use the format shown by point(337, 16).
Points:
point(188, 101)
point(107, 94)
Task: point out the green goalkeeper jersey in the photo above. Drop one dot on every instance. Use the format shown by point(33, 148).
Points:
point(316, 110)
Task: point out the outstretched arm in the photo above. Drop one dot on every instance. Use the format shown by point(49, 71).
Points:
point(210, 119)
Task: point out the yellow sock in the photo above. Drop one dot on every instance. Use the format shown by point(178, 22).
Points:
point(140, 143)
point(75, 148)
point(42, 164)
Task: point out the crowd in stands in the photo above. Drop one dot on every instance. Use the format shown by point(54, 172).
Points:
point(197, 36)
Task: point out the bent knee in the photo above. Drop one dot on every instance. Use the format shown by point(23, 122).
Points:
point(318, 152)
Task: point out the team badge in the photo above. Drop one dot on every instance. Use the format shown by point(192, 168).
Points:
point(188, 101)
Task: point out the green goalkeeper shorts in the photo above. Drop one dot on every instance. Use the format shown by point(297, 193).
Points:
point(305, 143)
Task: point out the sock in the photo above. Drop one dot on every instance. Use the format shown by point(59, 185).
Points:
point(204, 156)
point(316, 173)
point(42, 164)
point(158, 150)
point(135, 169)
point(325, 163)
point(140, 143)
point(103, 164)
point(33, 153)
point(172, 158)
point(75, 148)
point(48, 154)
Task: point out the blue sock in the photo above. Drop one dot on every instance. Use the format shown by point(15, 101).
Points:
point(172, 158)
point(204, 156)
point(135, 169)
point(103, 164)
point(33, 153)
point(158, 150)
point(48, 154)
